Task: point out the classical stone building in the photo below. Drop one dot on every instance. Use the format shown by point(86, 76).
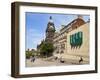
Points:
point(72, 41)
point(50, 31)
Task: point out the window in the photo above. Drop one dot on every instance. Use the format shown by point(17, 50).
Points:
point(73, 40)
point(76, 39)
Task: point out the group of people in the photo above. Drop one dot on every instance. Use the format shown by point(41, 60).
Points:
point(56, 58)
point(62, 60)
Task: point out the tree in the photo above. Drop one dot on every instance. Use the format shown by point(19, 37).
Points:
point(46, 49)
point(30, 53)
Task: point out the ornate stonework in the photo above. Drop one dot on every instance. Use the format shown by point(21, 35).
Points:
point(50, 31)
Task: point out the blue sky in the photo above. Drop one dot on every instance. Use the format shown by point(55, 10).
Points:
point(36, 24)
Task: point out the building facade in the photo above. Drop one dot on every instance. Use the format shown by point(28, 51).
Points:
point(72, 41)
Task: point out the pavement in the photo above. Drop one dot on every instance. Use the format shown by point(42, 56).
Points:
point(39, 62)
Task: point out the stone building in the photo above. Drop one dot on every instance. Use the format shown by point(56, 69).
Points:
point(50, 31)
point(72, 41)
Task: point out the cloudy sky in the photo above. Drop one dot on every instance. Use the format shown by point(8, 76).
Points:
point(36, 24)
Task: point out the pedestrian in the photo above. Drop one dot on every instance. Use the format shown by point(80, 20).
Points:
point(33, 58)
point(81, 60)
point(56, 58)
point(61, 60)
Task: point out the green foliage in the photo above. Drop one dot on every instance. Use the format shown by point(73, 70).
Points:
point(30, 53)
point(46, 49)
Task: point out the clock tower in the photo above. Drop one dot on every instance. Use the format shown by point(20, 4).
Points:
point(50, 31)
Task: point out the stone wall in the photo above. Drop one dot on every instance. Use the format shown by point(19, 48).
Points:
point(82, 51)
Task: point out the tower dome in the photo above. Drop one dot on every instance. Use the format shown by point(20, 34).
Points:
point(50, 25)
